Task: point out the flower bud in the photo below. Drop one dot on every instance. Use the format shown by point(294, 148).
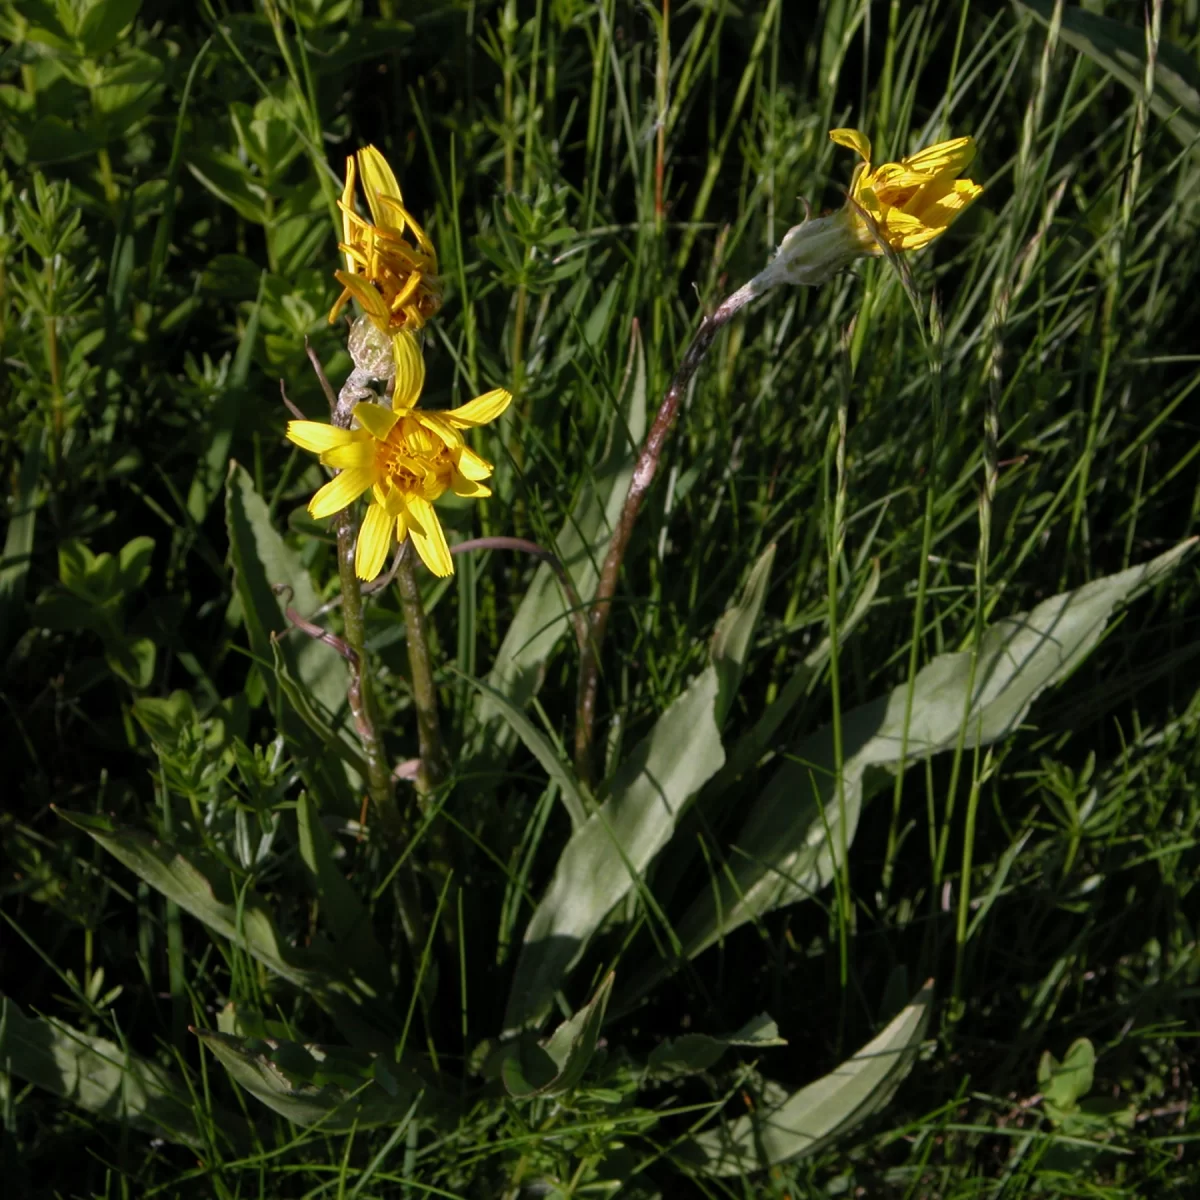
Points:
point(371, 349)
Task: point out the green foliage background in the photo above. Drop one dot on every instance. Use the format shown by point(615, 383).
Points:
point(926, 458)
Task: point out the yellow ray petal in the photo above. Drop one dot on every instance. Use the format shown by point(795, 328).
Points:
point(942, 213)
point(472, 465)
point(894, 177)
point(374, 542)
point(317, 436)
point(405, 220)
point(410, 288)
point(359, 454)
point(371, 302)
point(903, 231)
point(410, 370)
point(441, 428)
point(481, 410)
point(340, 491)
point(463, 486)
point(376, 420)
point(347, 207)
point(965, 191)
point(378, 181)
point(426, 532)
point(954, 156)
point(339, 304)
point(853, 139)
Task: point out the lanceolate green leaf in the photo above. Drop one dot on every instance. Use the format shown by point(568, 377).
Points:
point(214, 464)
point(695, 1052)
point(785, 851)
point(751, 746)
point(607, 856)
point(735, 632)
point(540, 746)
point(827, 1109)
point(306, 678)
point(102, 1078)
point(243, 919)
point(557, 1065)
point(335, 1087)
point(262, 562)
point(343, 913)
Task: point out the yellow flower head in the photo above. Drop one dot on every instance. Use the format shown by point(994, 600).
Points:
point(903, 205)
point(405, 458)
point(391, 265)
point(911, 201)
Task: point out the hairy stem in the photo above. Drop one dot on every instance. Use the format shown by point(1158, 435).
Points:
point(379, 776)
point(429, 731)
point(358, 694)
point(643, 476)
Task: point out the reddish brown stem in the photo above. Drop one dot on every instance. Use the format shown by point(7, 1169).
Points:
point(578, 619)
point(643, 476)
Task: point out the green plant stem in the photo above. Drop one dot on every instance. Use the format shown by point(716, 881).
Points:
point(662, 98)
point(176, 961)
point(836, 534)
point(379, 776)
point(964, 892)
point(515, 447)
point(380, 784)
point(429, 732)
point(106, 178)
point(358, 694)
point(508, 28)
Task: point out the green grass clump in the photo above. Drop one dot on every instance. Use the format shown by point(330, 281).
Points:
point(899, 683)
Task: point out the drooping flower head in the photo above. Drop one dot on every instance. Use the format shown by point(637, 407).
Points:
point(405, 458)
point(914, 200)
point(903, 205)
point(391, 265)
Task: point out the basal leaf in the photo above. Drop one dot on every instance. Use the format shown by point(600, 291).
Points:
point(543, 615)
point(785, 851)
point(102, 1078)
point(609, 854)
point(540, 746)
point(817, 1114)
point(307, 678)
point(694, 1052)
point(230, 404)
point(335, 1087)
point(343, 914)
point(735, 631)
point(753, 744)
point(245, 920)
point(262, 562)
point(557, 1064)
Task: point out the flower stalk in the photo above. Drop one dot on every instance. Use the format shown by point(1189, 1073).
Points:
point(358, 694)
point(898, 206)
point(643, 476)
point(432, 769)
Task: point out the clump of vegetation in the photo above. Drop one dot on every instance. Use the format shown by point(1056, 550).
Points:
point(659, 692)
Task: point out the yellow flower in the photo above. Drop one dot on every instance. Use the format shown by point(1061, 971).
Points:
point(904, 205)
point(406, 458)
point(911, 201)
point(391, 265)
